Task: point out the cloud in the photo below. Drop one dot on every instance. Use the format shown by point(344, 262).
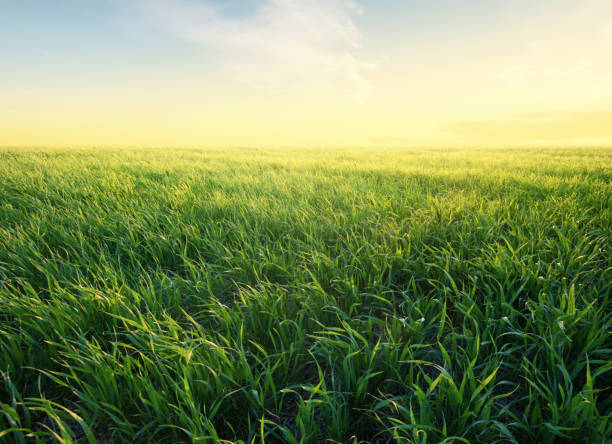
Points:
point(563, 127)
point(283, 45)
point(573, 47)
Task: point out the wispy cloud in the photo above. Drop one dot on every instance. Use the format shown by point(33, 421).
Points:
point(547, 127)
point(285, 45)
point(574, 47)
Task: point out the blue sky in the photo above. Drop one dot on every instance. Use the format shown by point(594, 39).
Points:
point(409, 71)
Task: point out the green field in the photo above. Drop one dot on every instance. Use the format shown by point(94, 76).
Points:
point(422, 296)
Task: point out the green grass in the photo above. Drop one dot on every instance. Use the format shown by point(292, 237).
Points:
point(300, 296)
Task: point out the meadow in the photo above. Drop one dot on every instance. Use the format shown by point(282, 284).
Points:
point(306, 296)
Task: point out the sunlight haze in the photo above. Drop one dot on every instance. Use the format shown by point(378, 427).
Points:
point(305, 73)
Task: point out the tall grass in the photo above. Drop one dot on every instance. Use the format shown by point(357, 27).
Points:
point(300, 296)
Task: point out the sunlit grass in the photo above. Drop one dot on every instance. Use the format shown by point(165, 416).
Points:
point(304, 295)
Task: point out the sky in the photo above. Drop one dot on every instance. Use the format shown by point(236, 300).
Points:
point(250, 73)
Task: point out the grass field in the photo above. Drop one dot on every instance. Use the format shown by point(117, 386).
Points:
point(418, 296)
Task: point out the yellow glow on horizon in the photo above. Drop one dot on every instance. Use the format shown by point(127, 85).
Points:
point(156, 119)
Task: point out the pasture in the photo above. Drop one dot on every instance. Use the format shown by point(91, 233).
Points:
point(306, 296)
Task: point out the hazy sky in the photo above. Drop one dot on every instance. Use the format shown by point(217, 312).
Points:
point(305, 72)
